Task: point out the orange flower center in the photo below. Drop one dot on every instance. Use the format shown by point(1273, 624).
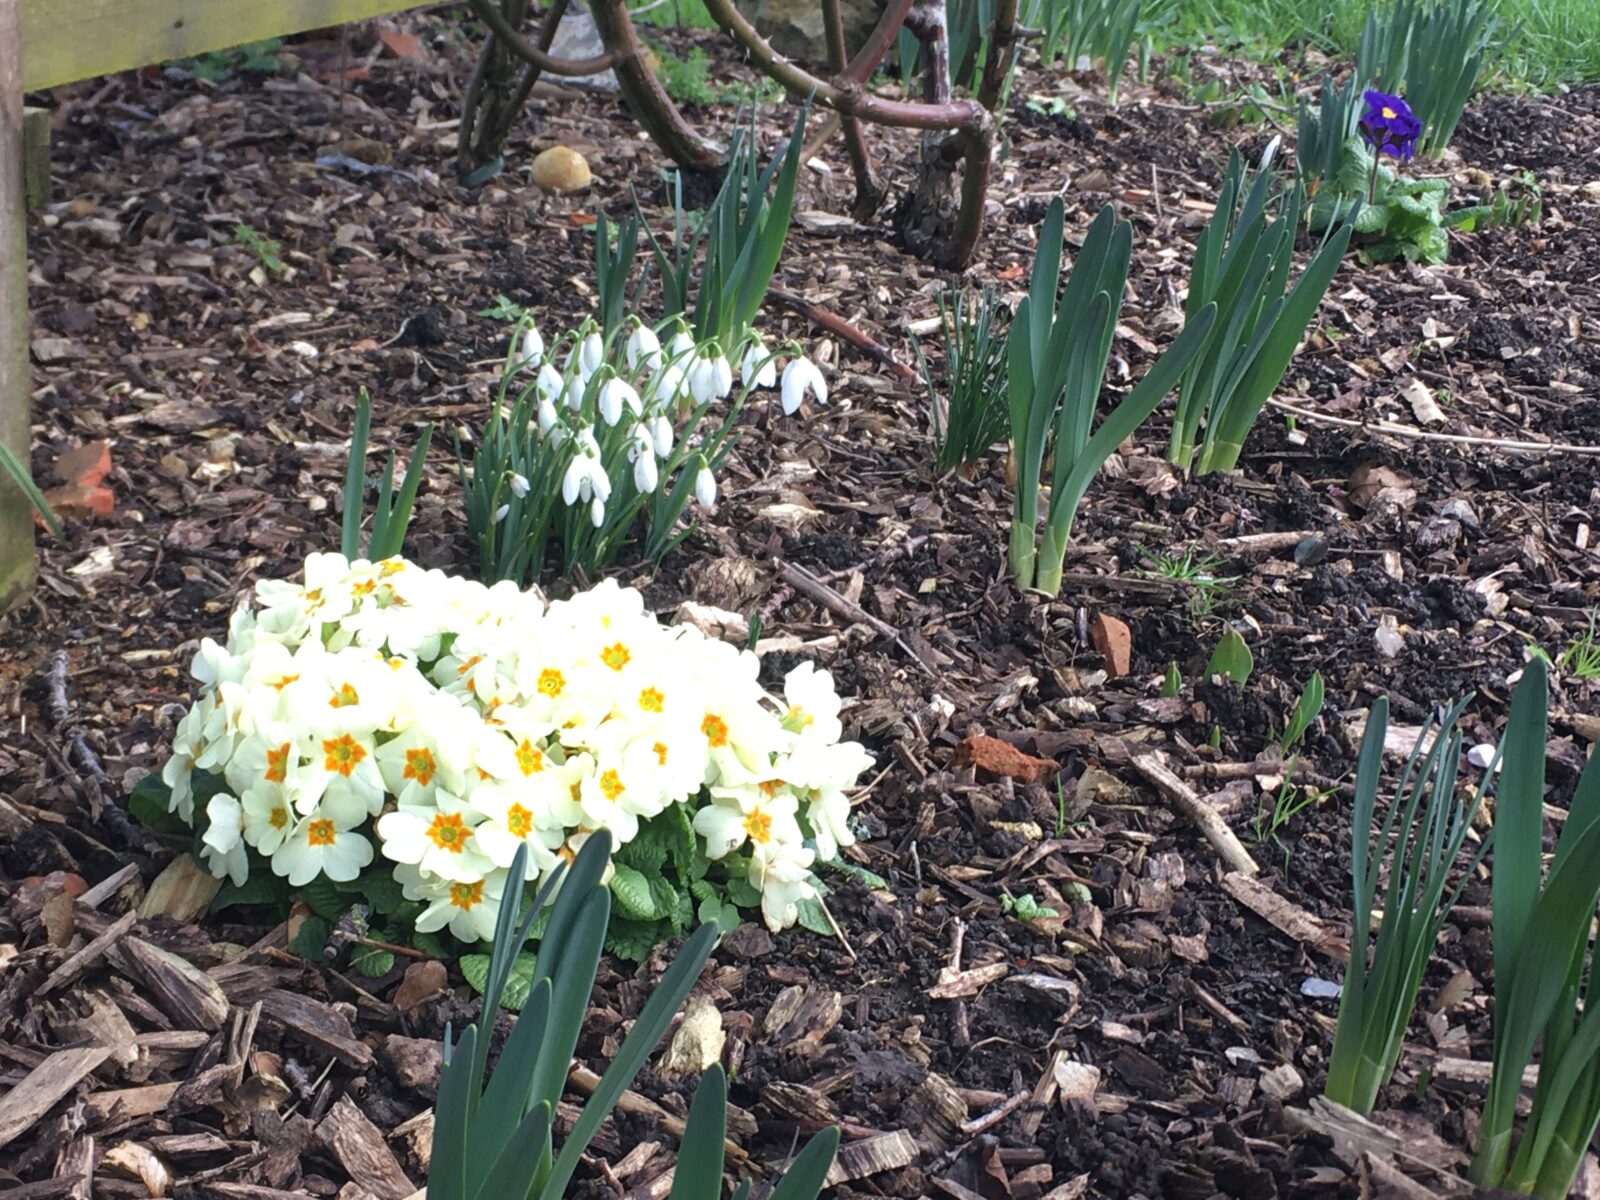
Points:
point(344, 697)
point(449, 833)
point(661, 753)
point(715, 729)
point(551, 681)
point(616, 656)
point(769, 787)
point(391, 566)
point(420, 765)
point(282, 682)
point(611, 785)
point(320, 833)
point(364, 587)
point(519, 821)
point(466, 896)
point(530, 759)
point(314, 599)
point(277, 764)
point(652, 700)
point(797, 716)
point(758, 825)
point(278, 817)
point(343, 753)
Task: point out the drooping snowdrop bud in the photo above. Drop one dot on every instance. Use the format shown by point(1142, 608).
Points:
point(591, 353)
point(670, 383)
point(597, 512)
point(549, 383)
point(500, 513)
point(680, 344)
point(547, 415)
point(799, 377)
point(576, 386)
point(757, 369)
point(644, 348)
point(705, 486)
point(661, 435)
point(615, 395)
point(710, 378)
point(599, 480)
point(519, 485)
point(575, 480)
point(645, 475)
point(609, 402)
point(531, 352)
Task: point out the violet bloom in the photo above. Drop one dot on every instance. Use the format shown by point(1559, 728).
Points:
point(1390, 125)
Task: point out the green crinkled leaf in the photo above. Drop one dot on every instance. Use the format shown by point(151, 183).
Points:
point(371, 961)
point(871, 878)
point(261, 887)
point(635, 896)
point(814, 918)
point(323, 897)
point(475, 969)
point(647, 852)
point(682, 915)
point(430, 943)
point(633, 940)
point(1371, 218)
point(742, 893)
point(311, 939)
point(148, 802)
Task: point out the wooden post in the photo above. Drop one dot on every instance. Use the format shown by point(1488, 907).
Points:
point(17, 556)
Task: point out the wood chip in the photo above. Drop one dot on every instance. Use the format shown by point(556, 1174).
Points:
point(361, 1150)
point(872, 1156)
point(954, 985)
point(180, 989)
point(1286, 915)
point(37, 1094)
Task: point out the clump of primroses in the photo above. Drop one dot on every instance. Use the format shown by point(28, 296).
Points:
point(381, 712)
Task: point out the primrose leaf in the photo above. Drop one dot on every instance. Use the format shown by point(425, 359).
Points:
point(475, 969)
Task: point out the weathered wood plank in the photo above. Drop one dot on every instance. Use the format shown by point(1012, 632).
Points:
point(17, 561)
point(63, 42)
point(35, 157)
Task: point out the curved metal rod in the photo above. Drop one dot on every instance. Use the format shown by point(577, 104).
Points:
point(647, 99)
point(844, 97)
point(570, 68)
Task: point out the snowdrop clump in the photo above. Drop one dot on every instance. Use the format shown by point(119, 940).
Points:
point(380, 713)
point(612, 426)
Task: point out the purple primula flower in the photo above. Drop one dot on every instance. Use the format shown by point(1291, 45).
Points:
point(1390, 125)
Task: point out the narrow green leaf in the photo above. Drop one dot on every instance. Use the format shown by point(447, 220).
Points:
point(809, 1170)
point(700, 1159)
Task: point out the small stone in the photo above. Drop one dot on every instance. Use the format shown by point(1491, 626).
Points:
point(1481, 755)
point(996, 757)
point(1114, 641)
point(561, 170)
point(1282, 1082)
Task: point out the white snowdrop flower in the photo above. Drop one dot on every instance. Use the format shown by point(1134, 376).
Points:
point(549, 383)
point(547, 415)
point(680, 344)
point(591, 353)
point(661, 435)
point(597, 512)
point(576, 386)
point(519, 485)
point(645, 475)
point(710, 378)
point(671, 383)
point(501, 513)
point(705, 487)
point(758, 368)
point(530, 353)
point(644, 348)
point(799, 377)
point(615, 395)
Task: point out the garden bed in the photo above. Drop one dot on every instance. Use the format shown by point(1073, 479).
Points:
point(940, 1032)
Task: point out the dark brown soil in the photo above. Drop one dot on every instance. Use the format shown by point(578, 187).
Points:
point(227, 439)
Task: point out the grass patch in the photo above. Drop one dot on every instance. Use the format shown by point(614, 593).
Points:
point(674, 14)
point(1550, 42)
